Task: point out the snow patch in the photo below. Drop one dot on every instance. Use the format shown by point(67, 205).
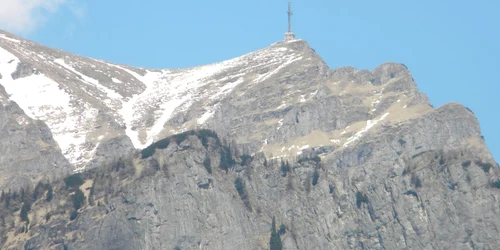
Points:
point(9, 39)
point(115, 80)
point(369, 125)
point(205, 117)
point(335, 141)
point(280, 124)
point(302, 98)
point(21, 120)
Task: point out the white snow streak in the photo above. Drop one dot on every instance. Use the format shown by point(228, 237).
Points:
point(269, 74)
point(9, 39)
point(110, 93)
point(369, 125)
point(115, 80)
point(205, 117)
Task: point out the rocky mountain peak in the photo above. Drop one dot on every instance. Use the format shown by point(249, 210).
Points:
point(208, 156)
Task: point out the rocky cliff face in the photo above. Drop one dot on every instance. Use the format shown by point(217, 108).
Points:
point(28, 151)
point(372, 165)
point(181, 197)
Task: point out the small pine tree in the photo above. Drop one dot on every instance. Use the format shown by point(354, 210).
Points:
point(275, 241)
point(315, 177)
point(78, 199)
point(50, 193)
point(24, 211)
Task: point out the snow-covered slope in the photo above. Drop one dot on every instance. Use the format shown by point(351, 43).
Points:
point(72, 93)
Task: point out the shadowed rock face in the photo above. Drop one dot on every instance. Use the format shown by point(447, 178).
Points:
point(373, 165)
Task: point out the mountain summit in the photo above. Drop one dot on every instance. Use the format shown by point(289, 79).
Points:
point(344, 158)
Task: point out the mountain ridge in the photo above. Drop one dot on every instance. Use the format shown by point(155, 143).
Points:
point(145, 105)
point(342, 158)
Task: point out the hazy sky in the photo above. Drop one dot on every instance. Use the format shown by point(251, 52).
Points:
point(452, 47)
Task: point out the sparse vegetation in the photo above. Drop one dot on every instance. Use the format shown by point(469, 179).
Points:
point(442, 161)
point(24, 211)
point(315, 177)
point(202, 134)
point(78, 199)
point(401, 141)
point(282, 229)
point(315, 158)
point(496, 184)
point(417, 155)
point(360, 199)
point(411, 192)
point(285, 168)
point(246, 159)
point(74, 181)
point(466, 164)
point(331, 188)
point(47, 216)
point(73, 215)
point(226, 158)
point(415, 181)
point(207, 164)
point(275, 240)
point(239, 184)
point(484, 165)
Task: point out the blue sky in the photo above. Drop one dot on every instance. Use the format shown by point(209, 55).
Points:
point(452, 47)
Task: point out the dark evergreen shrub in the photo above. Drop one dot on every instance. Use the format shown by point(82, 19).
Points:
point(246, 159)
point(226, 158)
point(484, 165)
point(415, 181)
point(315, 177)
point(50, 193)
point(361, 198)
point(74, 181)
point(275, 240)
point(24, 211)
point(78, 199)
point(73, 215)
point(207, 164)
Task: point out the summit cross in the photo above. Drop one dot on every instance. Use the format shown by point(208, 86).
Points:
point(289, 36)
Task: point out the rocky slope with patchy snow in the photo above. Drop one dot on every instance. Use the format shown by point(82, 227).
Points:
point(272, 99)
point(373, 164)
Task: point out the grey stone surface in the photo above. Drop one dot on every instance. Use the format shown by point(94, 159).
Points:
point(23, 70)
point(28, 152)
point(394, 173)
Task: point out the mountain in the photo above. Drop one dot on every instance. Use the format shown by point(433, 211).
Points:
point(205, 157)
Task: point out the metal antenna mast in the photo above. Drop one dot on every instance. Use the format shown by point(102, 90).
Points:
point(290, 13)
point(289, 36)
